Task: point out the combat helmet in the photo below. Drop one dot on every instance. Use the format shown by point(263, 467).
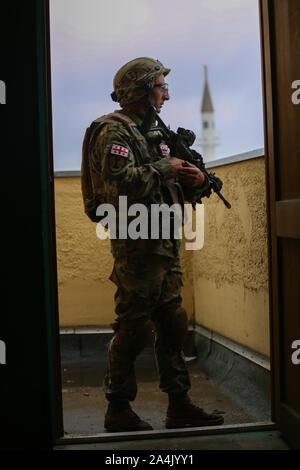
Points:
point(134, 80)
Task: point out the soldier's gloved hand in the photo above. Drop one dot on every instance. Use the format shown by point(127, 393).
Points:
point(190, 175)
point(176, 164)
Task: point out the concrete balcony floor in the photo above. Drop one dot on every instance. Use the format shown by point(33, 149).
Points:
point(84, 407)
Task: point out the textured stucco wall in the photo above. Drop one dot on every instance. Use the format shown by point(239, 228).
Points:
point(85, 294)
point(231, 270)
point(84, 262)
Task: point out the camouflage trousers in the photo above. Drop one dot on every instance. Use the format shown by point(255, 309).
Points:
point(148, 298)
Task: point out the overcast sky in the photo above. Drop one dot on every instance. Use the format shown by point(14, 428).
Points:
point(92, 39)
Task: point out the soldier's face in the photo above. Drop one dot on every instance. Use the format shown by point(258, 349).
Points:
point(158, 95)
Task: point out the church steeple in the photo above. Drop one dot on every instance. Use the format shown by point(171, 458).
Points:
point(208, 140)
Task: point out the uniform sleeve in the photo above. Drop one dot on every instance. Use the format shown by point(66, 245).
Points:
point(114, 153)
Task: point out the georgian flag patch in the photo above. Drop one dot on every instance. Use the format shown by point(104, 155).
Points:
point(119, 150)
point(165, 150)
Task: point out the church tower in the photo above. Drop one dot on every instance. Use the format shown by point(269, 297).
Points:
point(208, 139)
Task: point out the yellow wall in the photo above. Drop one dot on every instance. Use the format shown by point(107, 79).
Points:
point(225, 283)
point(85, 294)
point(231, 271)
point(84, 261)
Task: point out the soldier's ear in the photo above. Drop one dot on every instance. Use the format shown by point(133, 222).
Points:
point(148, 86)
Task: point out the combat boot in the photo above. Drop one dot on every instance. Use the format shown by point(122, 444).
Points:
point(119, 417)
point(182, 413)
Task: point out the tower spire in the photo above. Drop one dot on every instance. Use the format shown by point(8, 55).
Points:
point(207, 106)
point(205, 72)
point(208, 140)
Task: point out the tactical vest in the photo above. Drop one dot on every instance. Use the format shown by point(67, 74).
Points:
point(92, 184)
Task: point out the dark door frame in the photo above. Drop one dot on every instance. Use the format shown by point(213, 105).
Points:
point(283, 214)
point(49, 209)
point(48, 212)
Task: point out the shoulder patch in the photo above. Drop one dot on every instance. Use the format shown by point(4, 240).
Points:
point(165, 150)
point(119, 150)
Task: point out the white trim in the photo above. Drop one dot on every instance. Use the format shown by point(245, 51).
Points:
point(84, 330)
point(240, 157)
point(67, 173)
point(70, 439)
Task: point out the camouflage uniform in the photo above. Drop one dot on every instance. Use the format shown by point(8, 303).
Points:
point(147, 272)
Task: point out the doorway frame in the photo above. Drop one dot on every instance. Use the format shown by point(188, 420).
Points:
point(47, 178)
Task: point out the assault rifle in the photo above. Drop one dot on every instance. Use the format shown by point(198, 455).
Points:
point(179, 143)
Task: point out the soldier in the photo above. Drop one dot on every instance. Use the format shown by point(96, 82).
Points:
point(147, 272)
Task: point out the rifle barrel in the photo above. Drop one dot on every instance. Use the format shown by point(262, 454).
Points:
point(227, 204)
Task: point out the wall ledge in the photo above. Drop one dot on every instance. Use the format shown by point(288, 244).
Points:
point(239, 349)
point(84, 330)
point(240, 157)
point(67, 173)
point(257, 153)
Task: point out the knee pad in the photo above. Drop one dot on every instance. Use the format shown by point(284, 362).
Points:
point(131, 337)
point(172, 324)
